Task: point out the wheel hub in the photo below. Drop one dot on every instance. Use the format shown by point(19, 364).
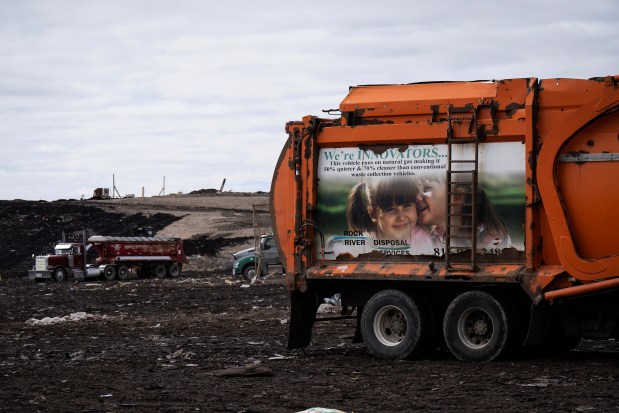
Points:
point(480, 327)
point(390, 326)
point(475, 328)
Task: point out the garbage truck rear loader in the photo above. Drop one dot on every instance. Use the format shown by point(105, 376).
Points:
point(477, 214)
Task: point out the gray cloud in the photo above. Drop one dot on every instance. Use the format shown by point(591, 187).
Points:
point(199, 92)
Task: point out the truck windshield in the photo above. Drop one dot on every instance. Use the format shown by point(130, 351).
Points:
point(62, 251)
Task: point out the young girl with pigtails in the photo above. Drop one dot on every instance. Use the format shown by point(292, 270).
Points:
point(384, 215)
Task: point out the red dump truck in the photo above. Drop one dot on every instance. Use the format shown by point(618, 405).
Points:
point(477, 216)
point(148, 256)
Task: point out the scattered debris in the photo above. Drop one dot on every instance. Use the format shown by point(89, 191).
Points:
point(280, 357)
point(79, 316)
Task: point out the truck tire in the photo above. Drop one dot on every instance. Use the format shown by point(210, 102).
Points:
point(60, 275)
point(109, 273)
point(122, 273)
point(160, 271)
point(249, 272)
point(174, 270)
point(476, 327)
point(392, 325)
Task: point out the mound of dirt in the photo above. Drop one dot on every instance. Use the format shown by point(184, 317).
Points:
point(211, 226)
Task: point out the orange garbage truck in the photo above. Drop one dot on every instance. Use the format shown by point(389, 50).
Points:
point(473, 216)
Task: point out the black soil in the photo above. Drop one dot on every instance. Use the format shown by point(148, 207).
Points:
point(208, 342)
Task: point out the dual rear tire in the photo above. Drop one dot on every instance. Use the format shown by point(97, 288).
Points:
point(121, 272)
point(172, 271)
point(109, 273)
point(477, 326)
point(394, 325)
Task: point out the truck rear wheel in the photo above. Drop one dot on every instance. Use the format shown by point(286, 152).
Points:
point(392, 325)
point(122, 273)
point(174, 270)
point(109, 273)
point(160, 271)
point(476, 327)
point(60, 275)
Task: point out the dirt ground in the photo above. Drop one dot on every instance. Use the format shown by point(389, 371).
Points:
point(207, 341)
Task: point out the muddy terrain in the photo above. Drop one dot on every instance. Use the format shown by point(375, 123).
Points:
point(208, 341)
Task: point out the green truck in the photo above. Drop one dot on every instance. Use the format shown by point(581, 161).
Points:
point(245, 262)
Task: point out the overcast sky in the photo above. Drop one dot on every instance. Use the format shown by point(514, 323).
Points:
point(198, 91)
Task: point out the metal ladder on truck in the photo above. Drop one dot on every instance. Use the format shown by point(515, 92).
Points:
point(461, 228)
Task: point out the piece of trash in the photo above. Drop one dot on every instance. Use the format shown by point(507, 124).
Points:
point(325, 308)
point(244, 285)
point(191, 365)
point(228, 282)
point(106, 395)
point(181, 354)
point(321, 410)
point(253, 370)
point(79, 316)
point(336, 299)
point(280, 357)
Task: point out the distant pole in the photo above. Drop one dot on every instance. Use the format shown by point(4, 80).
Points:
point(142, 192)
point(259, 257)
point(255, 222)
point(114, 190)
point(162, 192)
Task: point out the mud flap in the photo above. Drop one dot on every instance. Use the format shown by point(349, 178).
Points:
point(539, 325)
point(302, 316)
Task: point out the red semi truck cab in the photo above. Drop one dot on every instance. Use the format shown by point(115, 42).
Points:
point(59, 265)
point(147, 256)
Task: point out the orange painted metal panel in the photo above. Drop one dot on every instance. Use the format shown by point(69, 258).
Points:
point(412, 272)
point(383, 97)
point(569, 224)
point(603, 100)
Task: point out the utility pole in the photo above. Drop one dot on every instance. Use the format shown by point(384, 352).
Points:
point(162, 192)
point(114, 190)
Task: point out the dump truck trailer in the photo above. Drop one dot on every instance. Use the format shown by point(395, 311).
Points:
point(480, 215)
point(148, 256)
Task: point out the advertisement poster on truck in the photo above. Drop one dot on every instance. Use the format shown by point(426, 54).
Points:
point(393, 200)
